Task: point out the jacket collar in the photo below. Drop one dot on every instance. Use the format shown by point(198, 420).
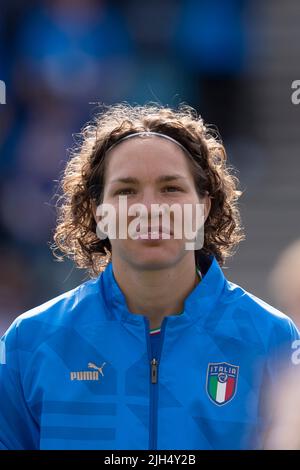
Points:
point(198, 304)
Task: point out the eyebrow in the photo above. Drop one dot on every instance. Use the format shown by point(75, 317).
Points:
point(160, 179)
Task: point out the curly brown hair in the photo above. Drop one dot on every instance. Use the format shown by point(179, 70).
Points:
point(84, 178)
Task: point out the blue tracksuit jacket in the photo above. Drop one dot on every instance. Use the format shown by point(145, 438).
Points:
point(78, 372)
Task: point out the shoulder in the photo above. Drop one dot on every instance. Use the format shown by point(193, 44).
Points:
point(250, 312)
point(64, 311)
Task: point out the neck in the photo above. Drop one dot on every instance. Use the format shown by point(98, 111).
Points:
point(156, 293)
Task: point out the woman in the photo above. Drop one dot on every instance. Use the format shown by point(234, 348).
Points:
point(158, 350)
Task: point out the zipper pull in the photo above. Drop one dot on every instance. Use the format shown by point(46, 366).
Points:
point(154, 366)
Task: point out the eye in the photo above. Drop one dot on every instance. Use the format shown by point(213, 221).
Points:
point(124, 191)
point(172, 188)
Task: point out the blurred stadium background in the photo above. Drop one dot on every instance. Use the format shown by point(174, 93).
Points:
point(233, 60)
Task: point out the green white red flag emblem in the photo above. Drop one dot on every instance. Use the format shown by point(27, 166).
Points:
point(221, 383)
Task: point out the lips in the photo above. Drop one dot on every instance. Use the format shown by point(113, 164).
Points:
point(156, 229)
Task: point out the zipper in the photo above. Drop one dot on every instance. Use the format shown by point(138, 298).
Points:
point(154, 367)
point(154, 377)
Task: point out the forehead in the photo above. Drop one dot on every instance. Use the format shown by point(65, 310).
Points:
point(146, 156)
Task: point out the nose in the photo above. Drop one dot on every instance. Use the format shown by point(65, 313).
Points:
point(156, 209)
point(149, 198)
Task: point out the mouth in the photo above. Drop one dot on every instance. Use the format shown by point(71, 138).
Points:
point(154, 233)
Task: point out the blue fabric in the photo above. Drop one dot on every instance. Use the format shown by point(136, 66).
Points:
point(155, 341)
point(75, 372)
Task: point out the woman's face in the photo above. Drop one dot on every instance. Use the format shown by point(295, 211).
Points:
point(150, 170)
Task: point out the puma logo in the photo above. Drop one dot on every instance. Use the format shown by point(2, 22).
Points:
point(91, 365)
point(87, 374)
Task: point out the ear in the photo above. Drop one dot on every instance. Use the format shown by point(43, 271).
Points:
point(97, 219)
point(94, 210)
point(207, 203)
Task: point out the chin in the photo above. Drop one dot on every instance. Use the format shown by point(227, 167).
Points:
point(152, 261)
point(156, 256)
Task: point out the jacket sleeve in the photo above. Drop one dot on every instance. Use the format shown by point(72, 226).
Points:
point(283, 385)
point(18, 429)
point(286, 341)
